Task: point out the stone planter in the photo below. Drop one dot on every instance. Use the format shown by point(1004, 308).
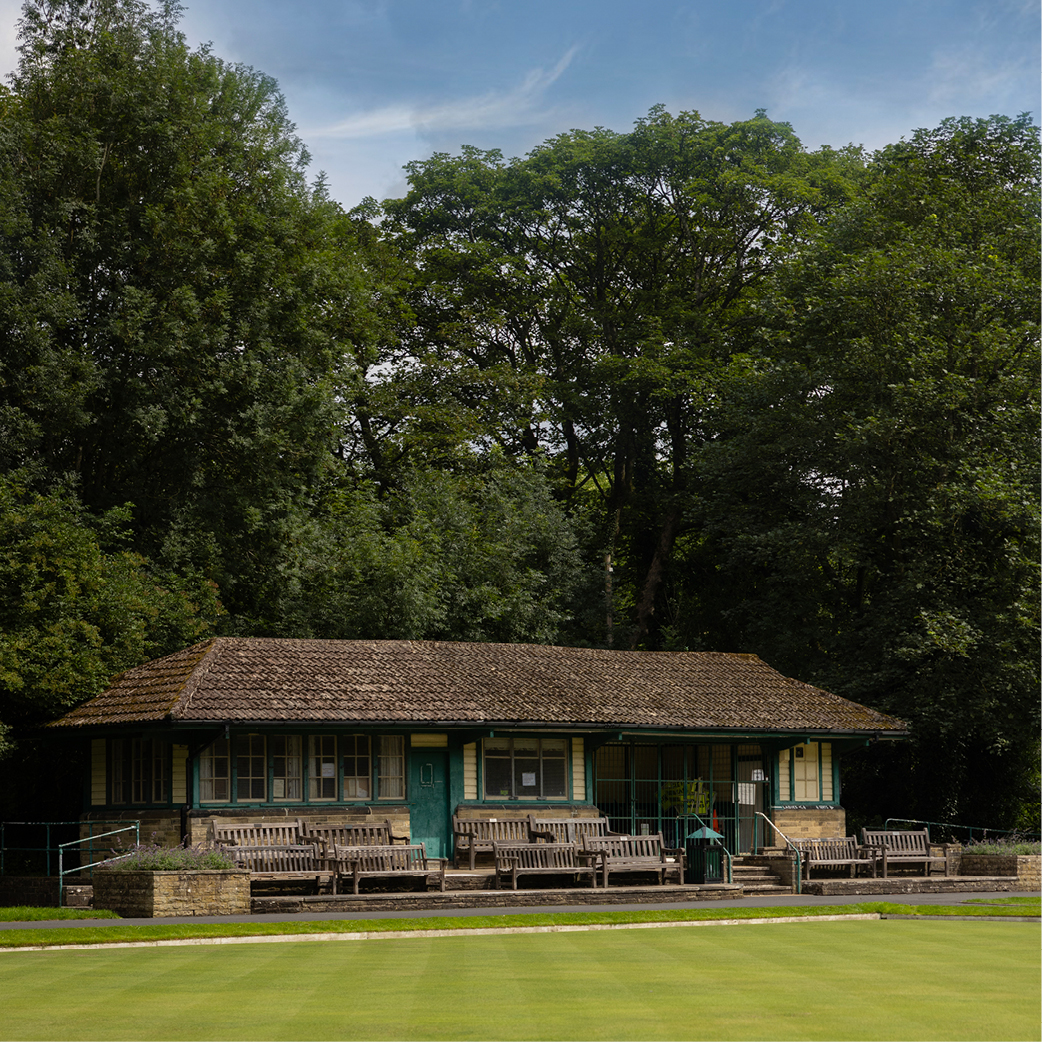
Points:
point(1026, 867)
point(147, 895)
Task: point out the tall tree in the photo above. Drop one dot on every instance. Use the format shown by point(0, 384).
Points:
point(874, 514)
point(586, 297)
point(172, 285)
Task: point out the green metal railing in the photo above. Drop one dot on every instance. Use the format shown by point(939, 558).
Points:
point(792, 846)
point(50, 844)
point(950, 827)
point(91, 865)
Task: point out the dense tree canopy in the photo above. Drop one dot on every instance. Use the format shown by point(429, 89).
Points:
point(790, 398)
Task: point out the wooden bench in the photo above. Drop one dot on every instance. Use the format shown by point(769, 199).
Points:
point(835, 852)
point(469, 835)
point(907, 847)
point(567, 830)
point(258, 833)
point(284, 862)
point(369, 834)
point(635, 854)
point(394, 862)
point(525, 859)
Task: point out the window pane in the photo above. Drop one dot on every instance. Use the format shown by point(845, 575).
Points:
point(526, 776)
point(251, 769)
point(555, 779)
point(392, 768)
point(357, 767)
point(322, 767)
point(287, 760)
point(119, 772)
point(215, 772)
point(497, 777)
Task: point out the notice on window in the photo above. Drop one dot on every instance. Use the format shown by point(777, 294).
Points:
point(746, 793)
point(758, 774)
point(279, 788)
point(329, 770)
point(528, 779)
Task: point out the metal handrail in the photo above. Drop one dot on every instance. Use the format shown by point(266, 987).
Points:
point(63, 872)
point(970, 828)
point(795, 849)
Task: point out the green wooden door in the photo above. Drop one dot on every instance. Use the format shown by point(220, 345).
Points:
point(430, 818)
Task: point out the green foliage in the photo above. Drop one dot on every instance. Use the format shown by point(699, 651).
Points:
point(874, 499)
point(73, 613)
point(151, 857)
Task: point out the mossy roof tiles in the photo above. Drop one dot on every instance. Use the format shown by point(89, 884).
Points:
point(268, 680)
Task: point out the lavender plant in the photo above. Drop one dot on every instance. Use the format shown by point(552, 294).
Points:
point(152, 857)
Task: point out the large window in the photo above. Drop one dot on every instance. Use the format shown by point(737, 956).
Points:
point(327, 768)
point(805, 773)
point(526, 768)
point(140, 770)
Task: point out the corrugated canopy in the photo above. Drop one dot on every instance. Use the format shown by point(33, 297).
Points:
point(267, 680)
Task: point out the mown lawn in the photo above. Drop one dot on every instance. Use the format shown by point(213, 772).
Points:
point(884, 979)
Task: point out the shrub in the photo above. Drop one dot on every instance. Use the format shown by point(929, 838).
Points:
point(1009, 845)
point(151, 857)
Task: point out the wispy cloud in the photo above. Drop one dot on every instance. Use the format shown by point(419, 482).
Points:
point(517, 107)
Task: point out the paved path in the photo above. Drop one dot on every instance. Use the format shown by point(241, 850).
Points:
point(783, 901)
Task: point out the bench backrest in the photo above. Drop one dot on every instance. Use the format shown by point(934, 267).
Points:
point(901, 843)
point(410, 857)
point(567, 830)
point(828, 849)
point(295, 857)
point(539, 855)
point(258, 833)
point(627, 847)
point(492, 830)
point(371, 834)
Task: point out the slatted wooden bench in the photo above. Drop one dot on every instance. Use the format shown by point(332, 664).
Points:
point(567, 830)
point(635, 854)
point(392, 862)
point(286, 862)
point(350, 834)
point(258, 833)
point(470, 835)
point(899, 847)
point(835, 853)
point(526, 859)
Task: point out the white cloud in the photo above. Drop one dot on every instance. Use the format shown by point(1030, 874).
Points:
point(518, 107)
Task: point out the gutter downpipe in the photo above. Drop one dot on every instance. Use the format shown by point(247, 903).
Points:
point(791, 846)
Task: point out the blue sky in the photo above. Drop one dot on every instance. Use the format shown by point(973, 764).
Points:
point(373, 84)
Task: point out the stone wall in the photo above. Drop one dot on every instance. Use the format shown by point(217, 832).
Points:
point(809, 822)
point(147, 895)
point(1027, 868)
point(34, 891)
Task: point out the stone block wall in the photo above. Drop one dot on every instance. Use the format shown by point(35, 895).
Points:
point(147, 895)
point(809, 822)
point(1027, 868)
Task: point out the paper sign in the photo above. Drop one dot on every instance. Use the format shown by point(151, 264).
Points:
point(329, 770)
point(528, 780)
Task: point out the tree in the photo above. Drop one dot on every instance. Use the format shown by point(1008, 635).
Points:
point(585, 298)
point(73, 612)
point(173, 287)
point(873, 524)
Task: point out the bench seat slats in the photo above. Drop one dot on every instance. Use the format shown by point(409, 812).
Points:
point(522, 859)
point(635, 854)
point(911, 846)
point(394, 861)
